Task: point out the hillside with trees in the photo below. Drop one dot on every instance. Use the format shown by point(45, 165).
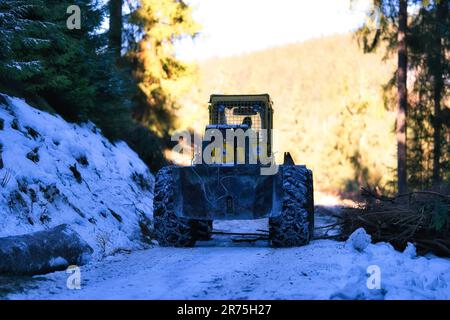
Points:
point(363, 108)
point(331, 111)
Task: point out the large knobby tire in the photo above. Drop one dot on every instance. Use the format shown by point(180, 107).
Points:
point(170, 229)
point(202, 229)
point(294, 226)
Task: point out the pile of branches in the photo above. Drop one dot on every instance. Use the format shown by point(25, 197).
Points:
point(421, 218)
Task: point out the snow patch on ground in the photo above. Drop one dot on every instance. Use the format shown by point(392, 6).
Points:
point(58, 261)
point(56, 172)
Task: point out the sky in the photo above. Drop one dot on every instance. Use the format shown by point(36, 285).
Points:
point(232, 27)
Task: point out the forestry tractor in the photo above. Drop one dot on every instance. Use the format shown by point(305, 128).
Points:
point(235, 181)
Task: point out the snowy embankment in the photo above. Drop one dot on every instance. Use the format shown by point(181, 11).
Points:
point(53, 172)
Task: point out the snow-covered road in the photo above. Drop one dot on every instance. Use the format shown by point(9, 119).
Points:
point(222, 269)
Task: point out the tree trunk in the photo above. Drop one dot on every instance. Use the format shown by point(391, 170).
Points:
point(402, 97)
point(115, 26)
point(441, 12)
point(43, 251)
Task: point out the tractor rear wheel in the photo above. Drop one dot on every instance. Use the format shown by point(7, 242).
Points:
point(170, 229)
point(295, 224)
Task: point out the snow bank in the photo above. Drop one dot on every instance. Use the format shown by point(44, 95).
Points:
point(381, 272)
point(53, 172)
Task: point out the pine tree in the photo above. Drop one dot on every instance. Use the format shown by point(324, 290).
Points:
point(430, 43)
point(402, 96)
point(46, 57)
point(160, 76)
point(387, 22)
point(437, 66)
point(115, 26)
point(72, 70)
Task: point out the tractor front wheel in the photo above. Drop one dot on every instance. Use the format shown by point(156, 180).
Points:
point(295, 224)
point(202, 229)
point(170, 229)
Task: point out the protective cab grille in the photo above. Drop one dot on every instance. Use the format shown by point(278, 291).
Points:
point(235, 113)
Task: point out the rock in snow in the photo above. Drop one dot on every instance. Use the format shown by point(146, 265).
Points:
point(53, 172)
point(410, 250)
point(359, 240)
point(43, 251)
